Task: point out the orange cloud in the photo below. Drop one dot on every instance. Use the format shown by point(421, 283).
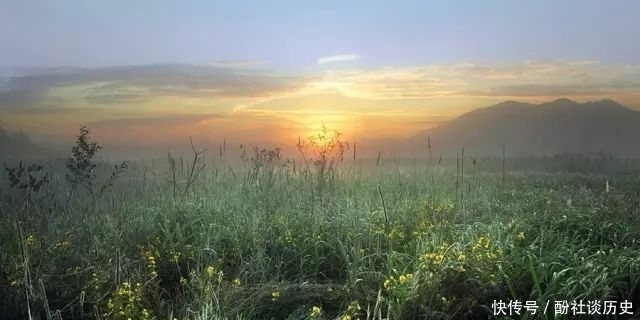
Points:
point(165, 104)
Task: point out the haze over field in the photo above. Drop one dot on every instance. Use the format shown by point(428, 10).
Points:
point(490, 159)
point(263, 73)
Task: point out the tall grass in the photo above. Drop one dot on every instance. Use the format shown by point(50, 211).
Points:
point(262, 240)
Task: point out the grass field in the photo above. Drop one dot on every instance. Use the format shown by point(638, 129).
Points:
point(262, 238)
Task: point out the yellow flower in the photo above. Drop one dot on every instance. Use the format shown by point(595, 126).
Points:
point(346, 317)
point(520, 236)
point(387, 283)
point(236, 282)
point(354, 307)
point(210, 271)
point(315, 312)
point(31, 239)
point(275, 295)
point(405, 278)
point(462, 258)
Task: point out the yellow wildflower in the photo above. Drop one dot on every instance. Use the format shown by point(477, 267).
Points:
point(405, 278)
point(31, 239)
point(210, 271)
point(520, 236)
point(354, 307)
point(275, 295)
point(236, 282)
point(388, 283)
point(315, 312)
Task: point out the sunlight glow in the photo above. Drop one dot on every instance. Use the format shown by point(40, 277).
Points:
point(312, 125)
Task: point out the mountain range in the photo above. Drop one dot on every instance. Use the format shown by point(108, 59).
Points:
point(553, 127)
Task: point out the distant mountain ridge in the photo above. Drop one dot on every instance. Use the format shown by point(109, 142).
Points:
point(19, 146)
point(553, 127)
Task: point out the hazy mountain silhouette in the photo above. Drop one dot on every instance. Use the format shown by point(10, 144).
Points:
point(553, 127)
point(18, 145)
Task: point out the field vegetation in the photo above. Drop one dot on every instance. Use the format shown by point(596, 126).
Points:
point(322, 235)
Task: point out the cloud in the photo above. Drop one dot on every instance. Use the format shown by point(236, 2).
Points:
point(21, 97)
point(526, 79)
point(239, 64)
point(135, 84)
point(198, 81)
point(543, 90)
point(46, 110)
point(32, 96)
point(106, 99)
point(230, 84)
point(161, 121)
point(338, 58)
point(390, 83)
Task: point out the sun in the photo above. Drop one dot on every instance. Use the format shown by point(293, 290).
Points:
point(322, 126)
point(320, 138)
point(323, 143)
point(321, 129)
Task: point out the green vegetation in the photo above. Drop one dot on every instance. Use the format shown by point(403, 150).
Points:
point(323, 238)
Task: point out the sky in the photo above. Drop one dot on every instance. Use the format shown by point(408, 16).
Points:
point(154, 72)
